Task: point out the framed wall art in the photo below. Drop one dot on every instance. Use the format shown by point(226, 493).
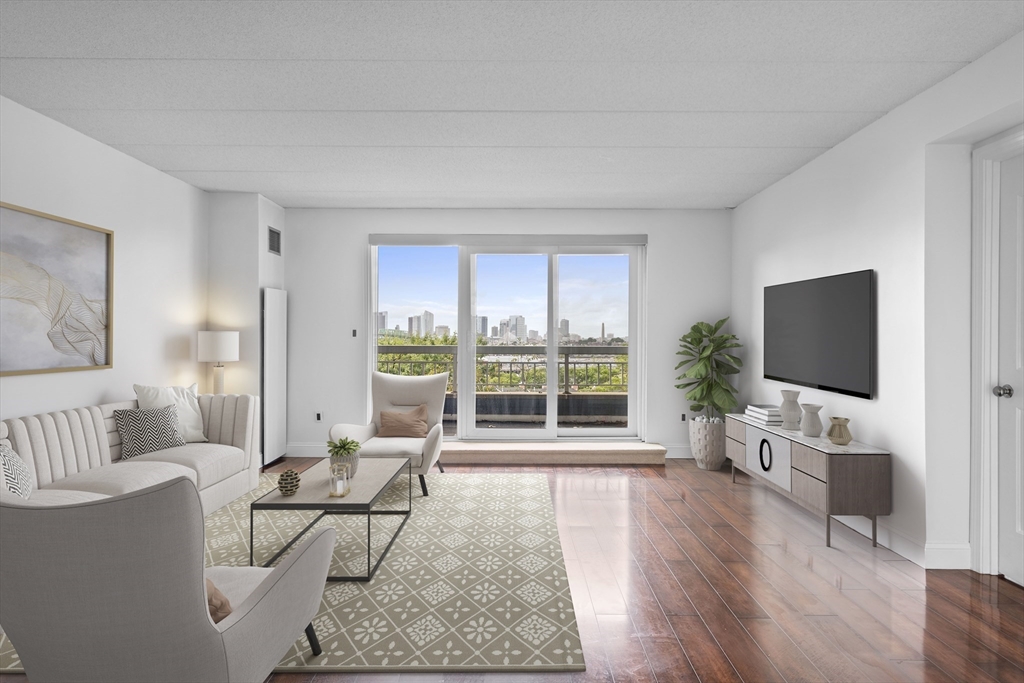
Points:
point(56, 293)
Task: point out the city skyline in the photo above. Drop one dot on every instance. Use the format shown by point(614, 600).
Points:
point(593, 289)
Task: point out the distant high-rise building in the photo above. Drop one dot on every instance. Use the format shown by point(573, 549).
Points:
point(415, 325)
point(442, 330)
point(533, 335)
point(427, 325)
point(494, 330)
point(563, 328)
point(602, 331)
point(502, 328)
point(382, 320)
point(480, 325)
point(517, 327)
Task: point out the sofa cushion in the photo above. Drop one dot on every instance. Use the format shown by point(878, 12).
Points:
point(149, 430)
point(48, 498)
point(16, 477)
point(185, 399)
point(212, 462)
point(122, 477)
point(394, 447)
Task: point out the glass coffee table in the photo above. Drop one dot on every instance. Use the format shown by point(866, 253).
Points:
point(375, 476)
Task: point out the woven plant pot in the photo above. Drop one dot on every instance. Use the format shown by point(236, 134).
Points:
point(707, 442)
point(351, 460)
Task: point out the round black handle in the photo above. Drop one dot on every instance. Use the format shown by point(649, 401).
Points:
point(764, 442)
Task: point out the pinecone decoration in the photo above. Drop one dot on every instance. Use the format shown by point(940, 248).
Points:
point(288, 482)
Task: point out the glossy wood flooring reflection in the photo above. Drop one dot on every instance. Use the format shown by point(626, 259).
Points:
point(680, 575)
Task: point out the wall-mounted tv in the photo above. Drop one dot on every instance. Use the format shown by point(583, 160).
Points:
point(821, 333)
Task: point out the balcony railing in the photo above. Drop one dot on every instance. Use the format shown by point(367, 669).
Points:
point(581, 369)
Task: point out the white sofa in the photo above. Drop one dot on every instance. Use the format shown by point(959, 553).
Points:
point(75, 455)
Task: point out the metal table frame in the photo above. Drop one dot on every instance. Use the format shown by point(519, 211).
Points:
point(328, 507)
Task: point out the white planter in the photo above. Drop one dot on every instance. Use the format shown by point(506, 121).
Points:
point(707, 442)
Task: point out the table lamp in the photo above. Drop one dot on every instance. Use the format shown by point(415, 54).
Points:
point(217, 347)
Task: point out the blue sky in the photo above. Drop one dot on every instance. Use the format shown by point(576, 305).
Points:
point(592, 288)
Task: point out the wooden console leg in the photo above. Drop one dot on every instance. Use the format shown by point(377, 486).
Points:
point(828, 531)
point(733, 472)
point(874, 531)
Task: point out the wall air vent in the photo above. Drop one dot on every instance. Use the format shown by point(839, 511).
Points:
point(274, 241)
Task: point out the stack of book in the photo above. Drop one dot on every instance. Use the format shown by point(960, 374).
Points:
point(765, 414)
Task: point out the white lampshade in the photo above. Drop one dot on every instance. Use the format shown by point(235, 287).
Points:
point(216, 347)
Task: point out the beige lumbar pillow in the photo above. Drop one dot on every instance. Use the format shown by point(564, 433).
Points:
point(185, 399)
point(217, 602)
point(412, 423)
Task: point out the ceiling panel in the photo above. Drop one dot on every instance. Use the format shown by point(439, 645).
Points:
point(466, 129)
point(403, 181)
point(476, 104)
point(913, 30)
point(686, 160)
point(464, 86)
point(515, 199)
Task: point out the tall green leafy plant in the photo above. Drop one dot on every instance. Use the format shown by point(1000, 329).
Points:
point(705, 355)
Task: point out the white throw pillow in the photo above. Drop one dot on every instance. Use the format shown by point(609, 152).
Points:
point(185, 399)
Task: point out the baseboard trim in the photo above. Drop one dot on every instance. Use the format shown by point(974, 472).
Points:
point(678, 451)
point(947, 555)
point(307, 450)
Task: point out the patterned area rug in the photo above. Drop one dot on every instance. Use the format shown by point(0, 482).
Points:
point(475, 581)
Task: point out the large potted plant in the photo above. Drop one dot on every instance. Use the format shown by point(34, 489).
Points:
point(708, 365)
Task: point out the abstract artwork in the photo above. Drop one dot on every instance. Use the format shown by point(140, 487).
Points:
point(56, 293)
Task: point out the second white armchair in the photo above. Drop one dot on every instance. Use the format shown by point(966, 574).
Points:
point(401, 394)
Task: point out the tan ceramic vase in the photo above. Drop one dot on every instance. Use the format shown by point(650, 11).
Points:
point(839, 433)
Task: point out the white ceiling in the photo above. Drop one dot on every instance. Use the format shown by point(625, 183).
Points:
point(484, 104)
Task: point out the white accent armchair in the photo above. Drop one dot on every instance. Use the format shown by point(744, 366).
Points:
point(113, 590)
point(402, 394)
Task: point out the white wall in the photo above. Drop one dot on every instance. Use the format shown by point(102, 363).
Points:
point(234, 294)
point(327, 260)
point(881, 200)
point(160, 241)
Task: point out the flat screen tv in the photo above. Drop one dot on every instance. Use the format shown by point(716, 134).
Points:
point(821, 333)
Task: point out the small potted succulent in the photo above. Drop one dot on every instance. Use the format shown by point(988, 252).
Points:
point(705, 355)
point(345, 452)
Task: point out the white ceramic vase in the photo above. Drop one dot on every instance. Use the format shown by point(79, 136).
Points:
point(810, 423)
point(790, 409)
point(707, 442)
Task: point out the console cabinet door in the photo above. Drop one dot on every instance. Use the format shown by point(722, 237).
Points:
point(768, 456)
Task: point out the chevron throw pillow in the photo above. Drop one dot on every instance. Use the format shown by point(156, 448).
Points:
point(145, 431)
point(17, 478)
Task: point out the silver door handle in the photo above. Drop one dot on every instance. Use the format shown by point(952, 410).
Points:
point(1005, 390)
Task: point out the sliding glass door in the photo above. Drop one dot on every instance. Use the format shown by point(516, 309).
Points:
point(541, 340)
point(509, 358)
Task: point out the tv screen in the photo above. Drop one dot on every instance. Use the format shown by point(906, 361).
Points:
point(821, 333)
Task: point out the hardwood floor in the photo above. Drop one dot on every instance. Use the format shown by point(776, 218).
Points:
point(679, 575)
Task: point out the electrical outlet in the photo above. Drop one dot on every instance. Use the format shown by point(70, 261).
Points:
point(684, 417)
point(319, 416)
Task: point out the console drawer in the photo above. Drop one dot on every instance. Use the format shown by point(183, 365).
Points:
point(809, 490)
point(768, 456)
point(735, 451)
point(734, 429)
point(810, 461)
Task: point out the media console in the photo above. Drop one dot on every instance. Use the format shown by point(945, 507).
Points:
point(813, 472)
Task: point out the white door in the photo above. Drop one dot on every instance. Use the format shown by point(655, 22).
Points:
point(1011, 369)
